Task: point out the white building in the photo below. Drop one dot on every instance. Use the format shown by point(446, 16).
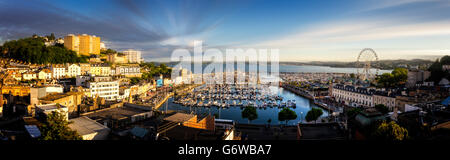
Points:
point(353, 96)
point(104, 87)
point(58, 71)
point(128, 70)
point(133, 56)
point(45, 74)
point(29, 75)
point(73, 70)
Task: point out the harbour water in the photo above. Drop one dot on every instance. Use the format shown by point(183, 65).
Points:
point(324, 69)
point(301, 68)
point(303, 105)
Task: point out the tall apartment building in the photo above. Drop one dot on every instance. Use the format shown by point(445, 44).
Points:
point(416, 76)
point(133, 56)
point(82, 44)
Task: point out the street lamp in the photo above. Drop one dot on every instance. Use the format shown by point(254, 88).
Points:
point(301, 117)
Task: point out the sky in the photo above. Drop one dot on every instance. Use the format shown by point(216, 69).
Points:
point(302, 30)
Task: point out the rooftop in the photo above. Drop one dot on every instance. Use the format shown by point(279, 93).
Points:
point(114, 113)
point(179, 117)
point(84, 125)
point(55, 96)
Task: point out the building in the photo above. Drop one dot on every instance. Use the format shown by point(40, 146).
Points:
point(42, 91)
point(58, 71)
point(102, 46)
point(85, 68)
point(83, 44)
point(29, 75)
point(353, 96)
point(73, 70)
point(401, 102)
point(133, 56)
point(71, 100)
point(45, 74)
point(43, 110)
point(385, 98)
point(16, 90)
point(445, 67)
point(81, 80)
point(100, 69)
point(129, 70)
point(416, 76)
point(103, 87)
point(115, 58)
point(89, 129)
point(119, 117)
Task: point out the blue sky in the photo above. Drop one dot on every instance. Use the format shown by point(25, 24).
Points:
point(303, 30)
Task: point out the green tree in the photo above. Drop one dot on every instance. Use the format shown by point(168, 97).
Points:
point(353, 111)
point(382, 108)
point(56, 127)
point(250, 113)
point(436, 69)
point(313, 114)
point(286, 114)
point(396, 77)
point(135, 80)
point(390, 131)
point(33, 50)
point(400, 75)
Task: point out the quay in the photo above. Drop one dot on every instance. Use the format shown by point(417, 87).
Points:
point(305, 94)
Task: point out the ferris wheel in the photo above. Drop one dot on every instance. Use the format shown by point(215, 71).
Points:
point(367, 58)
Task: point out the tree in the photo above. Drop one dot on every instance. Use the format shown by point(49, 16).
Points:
point(286, 114)
point(250, 113)
point(382, 108)
point(56, 127)
point(354, 111)
point(396, 77)
point(437, 73)
point(313, 114)
point(135, 80)
point(386, 80)
point(400, 75)
point(390, 131)
point(33, 50)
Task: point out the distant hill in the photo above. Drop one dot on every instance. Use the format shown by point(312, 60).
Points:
point(382, 64)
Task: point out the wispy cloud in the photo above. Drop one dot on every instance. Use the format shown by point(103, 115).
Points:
point(384, 4)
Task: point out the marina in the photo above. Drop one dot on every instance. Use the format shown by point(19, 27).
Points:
point(258, 96)
point(228, 101)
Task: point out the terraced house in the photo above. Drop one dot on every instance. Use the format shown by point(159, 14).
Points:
point(353, 96)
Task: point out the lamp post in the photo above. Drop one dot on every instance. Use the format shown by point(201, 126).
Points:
point(301, 117)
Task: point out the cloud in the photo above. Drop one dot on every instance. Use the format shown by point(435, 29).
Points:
point(19, 20)
point(357, 31)
point(384, 4)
